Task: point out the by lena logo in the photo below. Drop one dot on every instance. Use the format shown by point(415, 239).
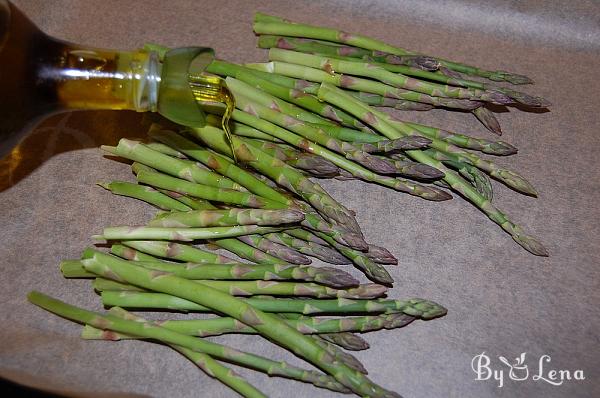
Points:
point(518, 370)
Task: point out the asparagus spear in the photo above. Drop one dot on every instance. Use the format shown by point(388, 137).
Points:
point(412, 169)
point(378, 100)
point(307, 162)
point(487, 118)
point(229, 196)
point(306, 131)
point(332, 35)
point(272, 288)
point(415, 307)
point(275, 249)
point(323, 253)
point(128, 253)
point(384, 76)
point(139, 152)
point(228, 217)
point(393, 63)
point(372, 270)
point(292, 101)
point(236, 246)
point(309, 131)
point(145, 193)
point(304, 324)
point(92, 333)
point(205, 362)
point(180, 234)
point(171, 251)
point(220, 164)
point(348, 359)
point(381, 255)
point(331, 94)
point(464, 141)
point(283, 175)
point(152, 331)
point(239, 248)
point(164, 149)
point(324, 275)
point(349, 341)
point(359, 84)
point(267, 325)
point(320, 47)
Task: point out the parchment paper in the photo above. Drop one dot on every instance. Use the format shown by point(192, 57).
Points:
point(501, 300)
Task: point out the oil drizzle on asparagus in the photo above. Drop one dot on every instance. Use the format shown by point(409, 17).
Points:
point(208, 88)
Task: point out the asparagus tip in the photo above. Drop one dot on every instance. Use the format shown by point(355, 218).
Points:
point(335, 277)
point(532, 245)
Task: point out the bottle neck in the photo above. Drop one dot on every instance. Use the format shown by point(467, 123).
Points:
point(89, 78)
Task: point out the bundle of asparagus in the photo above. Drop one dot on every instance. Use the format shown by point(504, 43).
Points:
point(308, 114)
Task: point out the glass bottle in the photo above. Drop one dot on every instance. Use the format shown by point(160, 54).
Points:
point(40, 76)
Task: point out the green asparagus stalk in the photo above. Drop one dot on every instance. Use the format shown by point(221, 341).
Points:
point(349, 341)
point(220, 164)
point(306, 235)
point(271, 288)
point(229, 196)
point(172, 251)
point(323, 253)
point(384, 76)
point(476, 177)
point(508, 177)
point(304, 324)
point(341, 356)
point(165, 149)
point(315, 165)
point(267, 325)
point(464, 141)
point(372, 270)
point(129, 253)
point(145, 193)
point(284, 175)
point(239, 248)
point(319, 47)
point(294, 102)
point(394, 64)
point(358, 171)
point(331, 94)
point(228, 217)
point(415, 307)
point(378, 100)
point(180, 234)
point(408, 168)
point(139, 152)
point(304, 132)
point(152, 331)
point(235, 246)
point(323, 275)
point(223, 68)
point(313, 32)
point(360, 84)
point(203, 361)
point(283, 252)
point(92, 333)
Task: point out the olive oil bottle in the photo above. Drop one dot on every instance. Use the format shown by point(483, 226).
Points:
point(41, 75)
